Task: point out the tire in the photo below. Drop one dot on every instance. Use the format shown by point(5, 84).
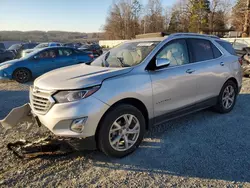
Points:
point(22, 75)
point(221, 104)
point(107, 132)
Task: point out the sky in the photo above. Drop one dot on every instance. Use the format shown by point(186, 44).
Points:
point(63, 15)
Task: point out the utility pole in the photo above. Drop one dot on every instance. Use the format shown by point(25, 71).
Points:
point(246, 31)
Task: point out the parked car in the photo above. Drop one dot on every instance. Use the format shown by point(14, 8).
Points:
point(94, 48)
point(2, 46)
point(6, 55)
point(40, 46)
point(246, 62)
point(73, 45)
point(140, 83)
point(240, 47)
point(18, 48)
point(42, 61)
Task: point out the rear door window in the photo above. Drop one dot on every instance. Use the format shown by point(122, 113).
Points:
point(227, 46)
point(65, 52)
point(201, 49)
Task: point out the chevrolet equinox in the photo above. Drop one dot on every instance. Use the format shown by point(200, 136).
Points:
point(140, 83)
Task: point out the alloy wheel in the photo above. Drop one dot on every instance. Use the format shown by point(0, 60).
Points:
point(124, 132)
point(228, 97)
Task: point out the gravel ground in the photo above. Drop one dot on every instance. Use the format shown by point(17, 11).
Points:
point(204, 149)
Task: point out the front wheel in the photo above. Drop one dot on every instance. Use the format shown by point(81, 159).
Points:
point(22, 75)
point(227, 97)
point(121, 131)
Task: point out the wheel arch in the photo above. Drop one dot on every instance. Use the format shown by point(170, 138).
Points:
point(131, 101)
point(235, 81)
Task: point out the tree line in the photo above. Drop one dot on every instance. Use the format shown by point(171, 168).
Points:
point(128, 18)
point(55, 36)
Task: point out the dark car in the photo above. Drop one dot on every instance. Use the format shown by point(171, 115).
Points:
point(94, 48)
point(73, 45)
point(41, 61)
point(2, 46)
point(6, 55)
point(18, 48)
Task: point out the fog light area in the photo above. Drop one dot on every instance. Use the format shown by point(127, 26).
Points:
point(78, 125)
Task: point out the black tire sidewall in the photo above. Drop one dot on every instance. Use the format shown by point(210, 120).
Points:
point(22, 81)
point(220, 106)
point(110, 117)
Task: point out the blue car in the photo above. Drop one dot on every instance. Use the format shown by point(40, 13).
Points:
point(41, 61)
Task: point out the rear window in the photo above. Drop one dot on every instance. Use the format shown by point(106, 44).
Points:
point(227, 46)
point(202, 49)
point(217, 52)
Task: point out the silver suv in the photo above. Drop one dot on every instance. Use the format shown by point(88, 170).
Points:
point(135, 85)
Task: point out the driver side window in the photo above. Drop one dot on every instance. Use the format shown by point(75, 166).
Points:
point(176, 52)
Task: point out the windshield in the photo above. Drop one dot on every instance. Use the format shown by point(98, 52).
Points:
point(15, 46)
point(126, 55)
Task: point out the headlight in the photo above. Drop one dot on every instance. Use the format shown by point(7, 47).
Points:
point(69, 96)
point(4, 66)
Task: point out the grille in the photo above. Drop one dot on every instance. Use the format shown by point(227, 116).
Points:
point(41, 101)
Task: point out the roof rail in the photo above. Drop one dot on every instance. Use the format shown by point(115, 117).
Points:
point(193, 34)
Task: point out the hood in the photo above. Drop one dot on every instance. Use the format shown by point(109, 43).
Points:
point(11, 62)
point(77, 77)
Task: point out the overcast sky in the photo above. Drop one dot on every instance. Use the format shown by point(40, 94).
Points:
point(64, 15)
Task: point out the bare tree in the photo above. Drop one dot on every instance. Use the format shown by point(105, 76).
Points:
point(154, 19)
point(123, 20)
point(238, 14)
point(220, 14)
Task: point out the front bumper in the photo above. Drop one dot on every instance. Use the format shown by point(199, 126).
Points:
point(5, 75)
point(60, 117)
point(19, 116)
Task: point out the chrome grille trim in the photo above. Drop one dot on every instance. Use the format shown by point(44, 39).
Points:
point(41, 100)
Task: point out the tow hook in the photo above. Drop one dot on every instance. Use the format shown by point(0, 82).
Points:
point(46, 146)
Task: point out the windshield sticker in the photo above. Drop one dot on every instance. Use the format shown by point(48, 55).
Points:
point(145, 44)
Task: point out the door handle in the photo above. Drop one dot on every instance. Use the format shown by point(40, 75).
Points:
point(190, 71)
point(222, 63)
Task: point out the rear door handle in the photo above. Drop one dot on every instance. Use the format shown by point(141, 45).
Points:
point(190, 71)
point(222, 63)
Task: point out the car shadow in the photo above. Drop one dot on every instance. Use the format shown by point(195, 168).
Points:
point(204, 145)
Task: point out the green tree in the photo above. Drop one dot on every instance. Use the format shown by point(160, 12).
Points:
point(199, 11)
point(174, 22)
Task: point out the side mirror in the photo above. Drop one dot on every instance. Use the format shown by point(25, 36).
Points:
point(162, 62)
point(36, 57)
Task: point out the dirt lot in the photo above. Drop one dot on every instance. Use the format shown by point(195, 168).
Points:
point(204, 149)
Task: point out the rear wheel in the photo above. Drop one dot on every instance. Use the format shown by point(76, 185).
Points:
point(121, 131)
point(22, 75)
point(227, 97)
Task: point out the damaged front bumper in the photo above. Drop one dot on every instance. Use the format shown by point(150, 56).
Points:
point(20, 116)
point(23, 117)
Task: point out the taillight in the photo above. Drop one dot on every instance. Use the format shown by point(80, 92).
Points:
point(240, 61)
point(91, 56)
